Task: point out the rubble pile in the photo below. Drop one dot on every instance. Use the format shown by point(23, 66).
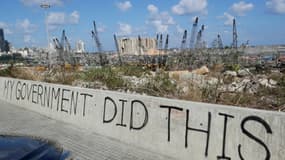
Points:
point(241, 87)
point(237, 86)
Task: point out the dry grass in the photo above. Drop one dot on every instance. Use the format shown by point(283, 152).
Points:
point(21, 73)
point(194, 93)
point(163, 84)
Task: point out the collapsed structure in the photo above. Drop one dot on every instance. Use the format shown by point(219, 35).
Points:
point(196, 38)
point(63, 49)
point(137, 46)
point(153, 50)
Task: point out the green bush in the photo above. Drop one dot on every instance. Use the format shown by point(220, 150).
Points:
point(6, 72)
point(161, 85)
point(132, 70)
point(106, 75)
point(233, 67)
point(281, 81)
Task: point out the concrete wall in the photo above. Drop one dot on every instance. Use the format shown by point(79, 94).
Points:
point(130, 45)
point(180, 129)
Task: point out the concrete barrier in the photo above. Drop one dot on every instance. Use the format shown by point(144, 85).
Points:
point(180, 129)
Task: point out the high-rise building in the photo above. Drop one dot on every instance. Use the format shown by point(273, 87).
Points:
point(4, 45)
point(80, 46)
point(1, 35)
point(2, 39)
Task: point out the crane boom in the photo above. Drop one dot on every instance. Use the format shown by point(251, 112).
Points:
point(96, 38)
point(156, 42)
point(235, 36)
point(98, 45)
point(67, 47)
point(184, 40)
point(160, 41)
point(118, 50)
point(166, 43)
point(62, 42)
point(220, 42)
point(140, 45)
point(193, 33)
point(199, 43)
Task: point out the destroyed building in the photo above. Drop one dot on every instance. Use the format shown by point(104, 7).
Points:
point(136, 46)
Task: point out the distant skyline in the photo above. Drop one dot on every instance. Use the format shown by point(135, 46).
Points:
point(262, 22)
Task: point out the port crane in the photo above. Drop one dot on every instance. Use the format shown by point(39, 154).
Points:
point(98, 44)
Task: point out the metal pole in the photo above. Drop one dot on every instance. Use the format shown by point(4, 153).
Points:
point(46, 6)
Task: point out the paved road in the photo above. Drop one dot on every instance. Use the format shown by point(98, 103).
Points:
point(82, 143)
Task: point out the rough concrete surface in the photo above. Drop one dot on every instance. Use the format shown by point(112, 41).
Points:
point(178, 129)
point(83, 144)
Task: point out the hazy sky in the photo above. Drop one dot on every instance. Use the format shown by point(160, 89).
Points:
point(259, 21)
